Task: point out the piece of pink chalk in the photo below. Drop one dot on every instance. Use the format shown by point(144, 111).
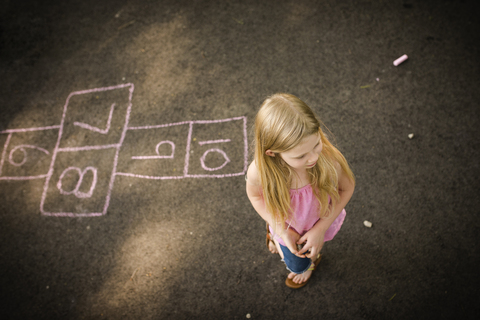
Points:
point(400, 60)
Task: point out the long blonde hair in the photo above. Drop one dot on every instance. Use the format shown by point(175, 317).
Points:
point(282, 122)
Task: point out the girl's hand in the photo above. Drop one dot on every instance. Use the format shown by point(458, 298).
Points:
point(314, 241)
point(291, 237)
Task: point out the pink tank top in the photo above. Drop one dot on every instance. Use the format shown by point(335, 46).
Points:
point(305, 214)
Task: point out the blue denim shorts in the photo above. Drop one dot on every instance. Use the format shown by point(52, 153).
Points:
point(295, 264)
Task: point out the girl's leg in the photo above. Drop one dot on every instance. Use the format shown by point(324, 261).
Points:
point(298, 267)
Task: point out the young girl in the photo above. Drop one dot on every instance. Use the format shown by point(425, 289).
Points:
point(299, 183)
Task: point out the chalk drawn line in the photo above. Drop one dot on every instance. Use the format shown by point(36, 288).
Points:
point(22, 148)
point(202, 159)
point(85, 148)
point(158, 156)
point(30, 129)
point(25, 177)
point(188, 122)
point(96, 129)
point(4, 152)
point(187, 155)
point(213, 141)
point(76, 191)
point(141, 176)
point(117, 146)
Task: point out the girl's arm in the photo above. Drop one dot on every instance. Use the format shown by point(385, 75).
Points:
point(254, 193)
point(314, 238)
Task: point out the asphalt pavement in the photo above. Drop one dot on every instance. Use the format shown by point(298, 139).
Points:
point(126, 129)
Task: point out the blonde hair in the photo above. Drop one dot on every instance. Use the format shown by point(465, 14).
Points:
point(282, 122)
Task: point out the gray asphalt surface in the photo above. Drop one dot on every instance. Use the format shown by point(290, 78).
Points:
point(123, 135)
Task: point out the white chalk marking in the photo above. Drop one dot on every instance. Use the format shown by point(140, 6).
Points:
point(134, 175)
point(188, 152)
point(24, 178)
point(158, 156)
point(57, 149)
point(73, 215)
point(202, 159)
point(30, 129)
point(5, 146)
point(76, 191)
point(215, 175)
point(186, 122)
point(122, 138)
point(117, 146)
point(22, 148)
point(213, 141)
point(101, 147)
point(96, 129)
point(187, 155)
point(245, 145)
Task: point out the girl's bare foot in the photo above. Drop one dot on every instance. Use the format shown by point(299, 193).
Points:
point(301, 278)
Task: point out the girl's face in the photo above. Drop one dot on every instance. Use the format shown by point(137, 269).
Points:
point(305, 155)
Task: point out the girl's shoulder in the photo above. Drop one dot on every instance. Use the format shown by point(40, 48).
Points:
point(337, 166)
point(253, 176)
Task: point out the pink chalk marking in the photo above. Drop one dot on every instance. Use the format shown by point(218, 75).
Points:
point(218, 121)
point(22, 148)
point(226, 175)
point(158, 153)
point(187, 156)
point(30, 129)
point(159, 126)
point(141, 176)
point(245, 145)
point(57, 149)
point(400, 60)
point(107, 146)
point(187, 122)
point(122, 138)
point(5, 146)
point(96, 129)
point(202, 159)
point(73, 215)
point(25, 177)
point(134, 175)
point(213, 141)
point(81, 173)
point(7, 142)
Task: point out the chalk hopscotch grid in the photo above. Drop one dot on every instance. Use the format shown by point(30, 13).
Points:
point(115, 161)
point(187, 156)
point(7, 142)
point(117, 146)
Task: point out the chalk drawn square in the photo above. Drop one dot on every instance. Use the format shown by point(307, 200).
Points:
point(218, 148)
point(154, 152)
point(80, 184)
point(94, 118)
point(27, 154)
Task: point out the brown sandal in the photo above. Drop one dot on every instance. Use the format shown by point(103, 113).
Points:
point(289, 282)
